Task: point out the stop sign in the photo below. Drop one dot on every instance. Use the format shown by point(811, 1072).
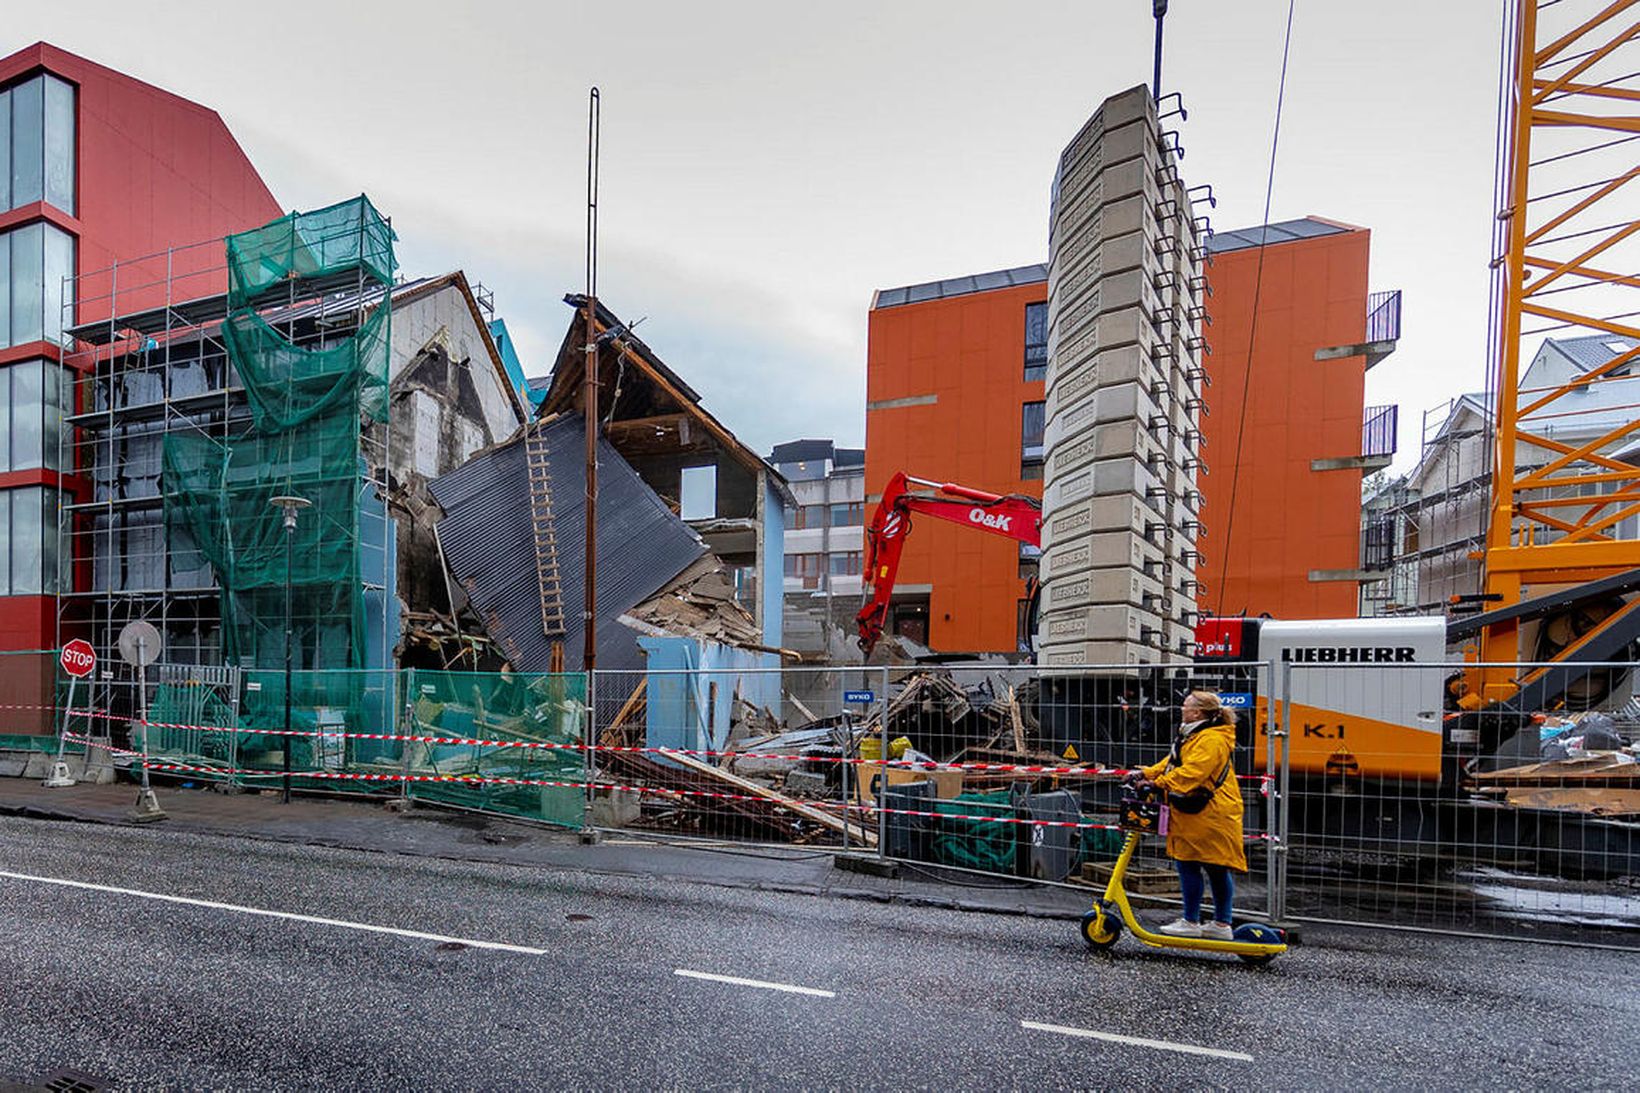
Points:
point(78, 658)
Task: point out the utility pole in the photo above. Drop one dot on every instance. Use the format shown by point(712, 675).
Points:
point(1158, 8)
point(589, 652)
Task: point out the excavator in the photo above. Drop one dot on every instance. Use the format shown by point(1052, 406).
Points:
point(1012, 515)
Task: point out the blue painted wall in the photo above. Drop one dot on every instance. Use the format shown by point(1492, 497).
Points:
point(773, 564)
point(515, 368)
point(683, 711)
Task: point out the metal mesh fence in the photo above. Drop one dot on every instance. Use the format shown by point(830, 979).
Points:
point(1371, 793)
point(1407, 809)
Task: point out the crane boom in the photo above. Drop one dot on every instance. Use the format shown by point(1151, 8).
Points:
point(1012, 515)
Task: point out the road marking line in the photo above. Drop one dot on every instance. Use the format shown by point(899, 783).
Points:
point(735, 980)
point(289, 916)
point(1135, 1041)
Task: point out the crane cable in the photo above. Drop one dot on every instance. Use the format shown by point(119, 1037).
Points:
point(1252, 330)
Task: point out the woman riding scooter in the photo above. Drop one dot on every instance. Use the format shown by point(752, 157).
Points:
point(1204, 812)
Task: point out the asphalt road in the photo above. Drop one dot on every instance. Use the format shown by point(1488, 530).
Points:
point(165, 994)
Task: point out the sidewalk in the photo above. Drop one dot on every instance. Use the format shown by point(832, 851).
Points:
point(367, 824)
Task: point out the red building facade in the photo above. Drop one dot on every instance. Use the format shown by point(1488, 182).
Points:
point(96, 169)
point(954, 393)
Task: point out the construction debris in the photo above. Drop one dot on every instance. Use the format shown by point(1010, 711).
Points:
point(1605, 784)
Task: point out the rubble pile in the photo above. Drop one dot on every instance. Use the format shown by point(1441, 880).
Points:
point(818, 782)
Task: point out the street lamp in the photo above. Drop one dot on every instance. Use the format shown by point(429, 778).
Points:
point(290, 505)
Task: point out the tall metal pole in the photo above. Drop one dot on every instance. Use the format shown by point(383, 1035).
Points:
point(1158, 8)
point(589, 653)
point(290, 505)
point(290, 535)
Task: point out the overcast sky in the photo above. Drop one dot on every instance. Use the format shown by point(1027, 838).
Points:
point(766, 166)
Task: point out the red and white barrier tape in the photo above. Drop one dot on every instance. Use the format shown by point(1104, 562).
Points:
point(481, 780)
point(1038, 770)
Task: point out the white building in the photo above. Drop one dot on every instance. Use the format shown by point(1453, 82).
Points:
point(825, 533)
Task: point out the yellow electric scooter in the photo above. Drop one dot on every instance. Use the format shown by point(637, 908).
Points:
point(1254, 942)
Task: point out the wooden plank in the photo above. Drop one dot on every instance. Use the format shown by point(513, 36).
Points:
point(1018, 725)
point(1594, 770)
point(743, 785)
point(609, 736)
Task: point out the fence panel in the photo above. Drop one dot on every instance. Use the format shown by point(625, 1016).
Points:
point(505, 742)
point(1406, 809)
point(1006, 771)
point(736, 751)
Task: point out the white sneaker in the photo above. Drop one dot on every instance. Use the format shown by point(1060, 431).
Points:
point(1218, 931)
point(1182, 928)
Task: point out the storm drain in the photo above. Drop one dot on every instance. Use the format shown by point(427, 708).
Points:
point(71, 1081)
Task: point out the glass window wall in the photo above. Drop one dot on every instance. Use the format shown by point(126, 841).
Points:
point(34, 260)
point(29, 564)
point(37, 143)
point(34, 396)
point(28, 142)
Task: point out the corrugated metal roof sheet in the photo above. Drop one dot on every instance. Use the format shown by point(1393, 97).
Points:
point(487, 539)
point(960, 286)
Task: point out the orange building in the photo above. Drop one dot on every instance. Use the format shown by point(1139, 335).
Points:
point(1287, 438)
point(954, 392)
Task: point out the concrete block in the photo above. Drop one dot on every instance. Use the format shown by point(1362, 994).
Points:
point(1120, 622)
point(809, 783)
point(1093, 654)
point(616, 808)
point(1136, 139)
point(1128, 251)
point(1133, 104)
point(1117, 513)
point(1125, 289)
point(1102, 549)
point(1129, 476)
point(1098, 587)
point(1072, 380)
point(99, 766)
point(1130, 214)
point(1125, 441)
point(1129, 177)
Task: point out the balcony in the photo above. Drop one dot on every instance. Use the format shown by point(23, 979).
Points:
point(1378, 427)
point(1382, 334)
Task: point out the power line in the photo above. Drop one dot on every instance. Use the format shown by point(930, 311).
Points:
point(1252, 330)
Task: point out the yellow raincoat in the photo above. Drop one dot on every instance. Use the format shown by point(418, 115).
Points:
point(1212, 835)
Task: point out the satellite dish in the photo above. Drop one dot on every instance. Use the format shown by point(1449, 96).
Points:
point(140, 644)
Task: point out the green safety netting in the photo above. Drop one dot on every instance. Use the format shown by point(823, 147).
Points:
point(288, 385)
point(198, 727)
point(307, 400)
point(219, 502)
point(539, 709)
point(192, 724)
point(221, 493)
point(345, 236)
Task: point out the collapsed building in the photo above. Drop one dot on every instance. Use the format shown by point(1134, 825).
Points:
point(691, 589)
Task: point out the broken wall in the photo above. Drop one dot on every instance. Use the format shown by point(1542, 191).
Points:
point(448, 402)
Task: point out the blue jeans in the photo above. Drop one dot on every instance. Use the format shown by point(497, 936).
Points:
point(1190, 886)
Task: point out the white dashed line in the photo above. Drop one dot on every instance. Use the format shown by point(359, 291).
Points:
point(1135, 1041)
point(288, 916)
point(735, 980)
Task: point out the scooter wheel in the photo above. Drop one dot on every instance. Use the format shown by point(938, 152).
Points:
point(1100, 929)
point(1258, 934)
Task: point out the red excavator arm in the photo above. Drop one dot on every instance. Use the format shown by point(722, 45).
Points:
point(1012, 515)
